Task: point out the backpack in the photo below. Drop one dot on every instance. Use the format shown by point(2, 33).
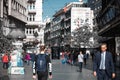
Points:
point(41, 63)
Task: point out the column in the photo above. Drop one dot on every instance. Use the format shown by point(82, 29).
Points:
point(28, 31)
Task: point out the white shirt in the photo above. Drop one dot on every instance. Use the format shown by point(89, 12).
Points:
point(102, 64)
point(80, 58)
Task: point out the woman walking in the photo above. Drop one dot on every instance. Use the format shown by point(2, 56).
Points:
point(27, 58)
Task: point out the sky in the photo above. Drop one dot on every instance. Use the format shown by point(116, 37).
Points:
point(51, 6)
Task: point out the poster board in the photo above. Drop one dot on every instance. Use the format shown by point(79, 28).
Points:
point(17, 70)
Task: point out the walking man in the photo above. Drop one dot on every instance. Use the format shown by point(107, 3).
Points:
point(103, 64)
point(85, 59)
point(42, 65)
point(80, 60)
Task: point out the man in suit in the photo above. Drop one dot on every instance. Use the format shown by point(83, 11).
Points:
point(103, 65)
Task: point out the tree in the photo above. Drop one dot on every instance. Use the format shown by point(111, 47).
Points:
point(96, 37)
point(5, 44)
point(82, 35)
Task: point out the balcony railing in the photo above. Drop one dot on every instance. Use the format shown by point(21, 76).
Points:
point(31, 0)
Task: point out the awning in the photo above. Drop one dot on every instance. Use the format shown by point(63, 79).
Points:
point(16, 34)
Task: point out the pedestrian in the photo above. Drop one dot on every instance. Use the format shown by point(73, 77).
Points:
point(5, 60)
point(85, 59)
point(66, 57)
point(72, 58)
point(27, 58)
point(87, 55)
point(42, 65)
point(103, 65)
point(92, 55)
point(80, 60)
point(32, 56)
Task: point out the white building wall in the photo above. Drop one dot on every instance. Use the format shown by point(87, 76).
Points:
point(80, 16)
point(38, 8)
point(1, 8)
point(33, 26)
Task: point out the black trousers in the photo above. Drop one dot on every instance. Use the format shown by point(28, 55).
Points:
point(42, 75)
point(5, 65)
point(102, 75)
point(85, 60)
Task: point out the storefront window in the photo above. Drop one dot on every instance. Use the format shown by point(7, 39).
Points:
point(118, 51)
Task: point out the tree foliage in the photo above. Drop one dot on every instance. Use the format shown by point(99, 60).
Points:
point(82, 35)
point(5, 44)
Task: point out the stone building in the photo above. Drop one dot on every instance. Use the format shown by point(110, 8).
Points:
point(35, 27)
point(59, 31)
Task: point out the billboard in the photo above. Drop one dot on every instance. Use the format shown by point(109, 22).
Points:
point(80, 16)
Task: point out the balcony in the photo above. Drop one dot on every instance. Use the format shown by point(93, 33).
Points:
point(36, 24)
point(29, 1)
point(33, 11)
point(111, 29)
point(18, 15)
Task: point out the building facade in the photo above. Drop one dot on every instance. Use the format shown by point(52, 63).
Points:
point(34, 27)
point(1, 12)
point(96, 6)
point(12, 15)
point(59, 31)
point(108, 22)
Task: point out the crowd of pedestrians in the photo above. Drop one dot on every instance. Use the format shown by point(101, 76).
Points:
point(72, 57)
point(41, 61)
point(103, 66)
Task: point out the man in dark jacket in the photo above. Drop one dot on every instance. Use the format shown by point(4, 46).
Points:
point(103, 64)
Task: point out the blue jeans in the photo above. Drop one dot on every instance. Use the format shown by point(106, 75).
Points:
point(80, 65)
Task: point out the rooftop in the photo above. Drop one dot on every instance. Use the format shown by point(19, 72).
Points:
point(66, 8)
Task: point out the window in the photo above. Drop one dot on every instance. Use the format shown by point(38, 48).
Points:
point(95, 9)
point(30, 5)
point(27, 31)
point(30, 31)
point(33, 30)
point(33, 5)
point(31, 17)
point(27, 18)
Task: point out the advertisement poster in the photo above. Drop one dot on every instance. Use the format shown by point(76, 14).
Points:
point(80, 17)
